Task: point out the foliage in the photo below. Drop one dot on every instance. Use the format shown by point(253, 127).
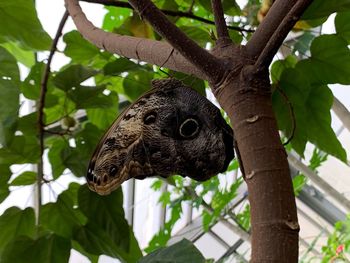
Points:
point(96, 83)
point(338, 243)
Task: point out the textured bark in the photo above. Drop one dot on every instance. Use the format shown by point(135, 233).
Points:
point(239, 79)
point(246, 99)
point(158, 53)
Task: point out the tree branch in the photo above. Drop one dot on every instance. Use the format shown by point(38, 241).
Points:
point(199, 57)
point(151, 51)
point(220, 22)
point(187, 14)
point(280, 34)
point(41, 105)
point(268, 26)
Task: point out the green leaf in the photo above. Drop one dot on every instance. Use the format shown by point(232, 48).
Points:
point(303, 43)
point(161, 239)
point(279, 66)
point(46, 249)
point(78, 49)
point(8, 65)
point(26, 57)
point(20, 23)
point(329, 62)
point(321, 8)
point(197, 34)
point(119, 66)
point(231, 8)
point(32, 84)
point(107, 231)
point(15, 222)
point(9, 107)
point(23, 149)
point(27, 124)
point(183, 251)
point(107, 212)
point(86, 97)
point(342, 25)
point(61, 217)
point(319, 127)
point(298, 183)
point(56, 156)
point(103, 118)
point(5, 175)
point(25, 178)
point(243, 218)
point(76, 246)
point(317, 158)
point(137, 83)
point(115, 17)
point(72, 76)
point(311, 106)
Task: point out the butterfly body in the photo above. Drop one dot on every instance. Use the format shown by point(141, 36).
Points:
point(170, 130)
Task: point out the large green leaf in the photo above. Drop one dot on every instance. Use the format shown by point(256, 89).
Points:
point(329, 62)
point(61, 217)
point(106, 212)
point(78, 49)
point(62, 156)
point(342, 25)
point(20, 23)
point(201, 36)
point(72, 76)
point(119, 66)
point(23, 149)
point(27, 124)
point(107, 227)
point(311, 105)
point(115, 17)
point(9, 94)
point(5, 174)
point(319, 128)
point(183, 251)
point(87, 97)
point(8, 66)
point(56, 156)
point(9, 107)
point(321, 8)
point(46, 249)
point(26, 57)
point(15, 222)
point(31, 86)
point(102, 118)
point(137, 83)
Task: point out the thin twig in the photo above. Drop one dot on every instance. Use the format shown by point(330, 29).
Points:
point(220, 23)
point(199, 57)
point(187, 14)
point(41, 105)
point(280, 34)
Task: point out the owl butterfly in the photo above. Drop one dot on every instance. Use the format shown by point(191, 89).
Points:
point(169, 130)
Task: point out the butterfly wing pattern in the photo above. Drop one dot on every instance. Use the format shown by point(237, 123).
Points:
point(170, 130)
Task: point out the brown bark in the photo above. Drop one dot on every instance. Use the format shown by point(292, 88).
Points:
point(246, 99)
point(239, 79)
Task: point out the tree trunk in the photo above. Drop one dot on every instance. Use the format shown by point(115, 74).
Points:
point(246, 98)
